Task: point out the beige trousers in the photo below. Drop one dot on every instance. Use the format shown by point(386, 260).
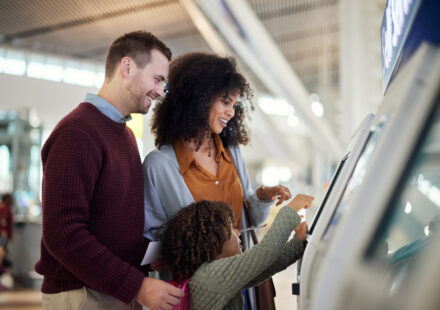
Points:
point(85, 299)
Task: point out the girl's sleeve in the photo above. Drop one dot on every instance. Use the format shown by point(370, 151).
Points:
point(293, 250)
point(234, 273)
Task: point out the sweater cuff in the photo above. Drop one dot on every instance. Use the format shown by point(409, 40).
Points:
point(302, 244)
point(130, 287)
point(294, 214)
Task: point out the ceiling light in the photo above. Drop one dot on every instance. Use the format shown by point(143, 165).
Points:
point(293, 121)
point(317, 108)
point(408, 208)
point(275, 106)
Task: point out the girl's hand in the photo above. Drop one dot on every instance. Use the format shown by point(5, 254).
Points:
point(301, 201)
point(279, 192)
point(301, 231)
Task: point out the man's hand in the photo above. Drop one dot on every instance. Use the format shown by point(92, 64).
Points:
point(301, 231)
point(158, 295)
point(300, 201)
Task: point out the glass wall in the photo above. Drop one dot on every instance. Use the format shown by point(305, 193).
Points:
point(20, 164)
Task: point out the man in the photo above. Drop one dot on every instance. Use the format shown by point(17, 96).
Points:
point(93, 207)
point(6, 223)
point(6, 220)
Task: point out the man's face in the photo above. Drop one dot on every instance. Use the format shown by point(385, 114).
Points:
point(147, 84)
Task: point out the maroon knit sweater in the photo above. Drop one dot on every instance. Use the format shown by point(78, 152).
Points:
point(93, 206)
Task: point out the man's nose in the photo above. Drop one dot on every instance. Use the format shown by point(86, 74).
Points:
point(160, 90)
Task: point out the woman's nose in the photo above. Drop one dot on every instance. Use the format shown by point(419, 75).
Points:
point(230, 111)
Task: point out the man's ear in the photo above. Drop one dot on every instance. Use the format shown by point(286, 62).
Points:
point(126, 67)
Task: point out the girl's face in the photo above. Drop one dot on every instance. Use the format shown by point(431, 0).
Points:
point(222, 111)
point(232, 246)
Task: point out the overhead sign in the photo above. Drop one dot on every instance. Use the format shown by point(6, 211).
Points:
point(406, 24)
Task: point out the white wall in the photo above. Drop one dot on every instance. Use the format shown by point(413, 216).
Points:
point(51, 100)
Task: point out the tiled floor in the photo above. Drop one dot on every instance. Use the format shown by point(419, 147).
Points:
point(24, 299)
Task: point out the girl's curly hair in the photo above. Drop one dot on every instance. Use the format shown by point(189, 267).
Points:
point(196, 235)
point(194, 80)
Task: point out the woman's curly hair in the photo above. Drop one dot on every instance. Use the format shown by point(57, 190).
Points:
point(196, 235)
point(194, 80)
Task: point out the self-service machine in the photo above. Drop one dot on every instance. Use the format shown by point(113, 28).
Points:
point(385, 252)
point(338, 204)
point(338, 182)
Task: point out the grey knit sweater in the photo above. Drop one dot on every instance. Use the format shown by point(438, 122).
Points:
point(217, 285)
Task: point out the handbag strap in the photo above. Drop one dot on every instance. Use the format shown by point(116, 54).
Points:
point(245, 206)
point(250, 221)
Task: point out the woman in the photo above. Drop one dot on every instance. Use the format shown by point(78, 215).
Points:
point(198, 127)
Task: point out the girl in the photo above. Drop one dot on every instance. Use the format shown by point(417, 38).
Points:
point(203, 252)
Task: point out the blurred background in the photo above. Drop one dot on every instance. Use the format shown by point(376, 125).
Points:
point(314, 66)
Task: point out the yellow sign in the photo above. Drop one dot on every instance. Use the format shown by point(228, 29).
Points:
point(136, 124)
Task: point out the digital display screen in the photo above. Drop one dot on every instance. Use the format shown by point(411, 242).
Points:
point(327, 194)
point(355, 179)
point(405, 25)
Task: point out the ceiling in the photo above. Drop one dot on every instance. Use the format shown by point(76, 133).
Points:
point(305, 31)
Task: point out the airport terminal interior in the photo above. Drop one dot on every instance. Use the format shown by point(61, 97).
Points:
point(347, 109)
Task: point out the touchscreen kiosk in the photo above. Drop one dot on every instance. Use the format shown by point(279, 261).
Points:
point(389, 226)
point(327, 195)
point(355, 179)
point(305, 270)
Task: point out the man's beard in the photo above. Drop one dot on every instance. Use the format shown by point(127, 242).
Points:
point(137, 100)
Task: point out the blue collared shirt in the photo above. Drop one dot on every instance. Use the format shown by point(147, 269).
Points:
point(106, 108)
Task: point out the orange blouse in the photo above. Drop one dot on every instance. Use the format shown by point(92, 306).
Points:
point(203, 185)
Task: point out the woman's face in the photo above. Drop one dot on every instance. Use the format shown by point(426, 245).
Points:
point(222, 111)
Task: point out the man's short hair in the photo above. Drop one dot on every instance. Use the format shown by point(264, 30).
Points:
point(136, 45)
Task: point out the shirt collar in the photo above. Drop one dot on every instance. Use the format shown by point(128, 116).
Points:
point(185, 157)
point(106, 108)
point(220, 149)
point(183, 154)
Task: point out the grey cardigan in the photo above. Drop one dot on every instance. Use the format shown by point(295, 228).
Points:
point(166, 192)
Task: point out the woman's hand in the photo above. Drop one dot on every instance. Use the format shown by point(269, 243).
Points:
point(301, 231)
point(300, 201)
point(279, 192)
